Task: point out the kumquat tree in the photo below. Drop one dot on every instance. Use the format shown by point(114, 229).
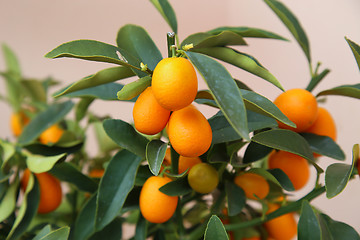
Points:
point(172, 173)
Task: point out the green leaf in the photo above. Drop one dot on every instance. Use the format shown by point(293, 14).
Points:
point(105, 143)
point(111, 231)
point(336, 230)
point(8, 202)
point(241, 60)
point(102, 77)
point(255, 152)
point(45, 150)
point(69, 173)
point(344, 90)
point(42, 121)
point(208, 40)
point(58, 234)
point(337, 175)
point(308, 226)
point(225, 92)
point(141, 228)
point(88, 50)
point(136, 41)
point(292, 23)
point(14, 95)
point(11, 61)
point(43, 232)
point(248, 32)
point(355, 48)
point(276, 176)
point(8, 150)
point(115, 185)
point(168, 13)
point(123, 134)
point(133, 89)
point(82, 107)
point(155, 154)
point(177, 187)
point(39, 164)
point(324, 145)
point(236, 198)
point(215, 230)
point(34, 89)
point(315, 80)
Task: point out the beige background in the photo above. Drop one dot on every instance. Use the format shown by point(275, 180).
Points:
point(32, 28)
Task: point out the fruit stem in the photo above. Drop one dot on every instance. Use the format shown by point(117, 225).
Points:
point(171, 44)
point(179, 219)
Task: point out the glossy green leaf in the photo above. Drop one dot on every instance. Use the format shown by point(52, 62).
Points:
point(102, 77)
point(236, 198)
point(88, 50)
point(167, 12)
point(8, 202)
point(178, 187)
point(39, 164)
point(337, 175)
point(344, 90)
point(69, 173)
point(123, 134)
point(355, 48)
point(207, 40)
point(276, 176)
point(136, 41)
point(34, 89)
point(133, 89)
point(43, 232)
point(225, 92)
point(334, 230)
point(324, 145)
point(142, 175)
point(11, 61)
point(58, 234)
point(111, 231)
point(155, 154)
point(315, 80)
point(308, 226)
point(115, 185)
point(248, 32)
point(255, 152)
point(292, 23)
point(215, 230)
point(50, 116)
point(45, 150)
point(105, 92)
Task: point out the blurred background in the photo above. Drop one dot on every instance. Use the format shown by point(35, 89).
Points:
point(33, 28)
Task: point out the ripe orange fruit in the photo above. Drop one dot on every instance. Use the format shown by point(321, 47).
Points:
point(252, 238)
point(149, 116)
point(50, 190)
point(96, 173)
point(253, 184)
point(185, 163)
point(174, 83)
point(295, 167)
point(324, 124)
point(203, 178)
point(51, 135)
point(155, 206)
point(189, 132)
point(300, 106)
point(283, 227)
point(17, 122)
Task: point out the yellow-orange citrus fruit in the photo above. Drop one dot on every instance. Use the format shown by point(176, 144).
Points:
point(300, 106)
point(149, 116)
point(185, 163)
point(50, 190)
point(51, 135)
point(324, 124)
point(283, 227)
point(174, 83)
point(17, 122)
point(253, 184)
point(96, 173)
point(203, 178)
point(155, 206)
point(294, 166)
point(252, 238)
point(358, 166)
point(189, 132)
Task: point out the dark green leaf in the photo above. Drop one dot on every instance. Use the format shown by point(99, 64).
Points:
point(224, 89)
point(336, 230)
point(142, 175)
point(69, 173)
point(355, 48)
point(111, 231)
point(168, 13)
point(178, 187)
point(155, 154)
point(241, 60)
point(235, 198)
point(105, 92)
point(215, 230)
point(82, 108)
point(123, 134)
point(255, 152)
point(42, 121)
point(248, 32)
point(58, 234)
point(324, 145)
point(276, 176)
point(102, 77)
point(141, 228)
point(292, 23)
point(344, 90)
point(207, 40)
point(315, 80)
point(308, 226)
point(133, 89)
point(115, 185)
point(337, 175)
point(52, 150)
